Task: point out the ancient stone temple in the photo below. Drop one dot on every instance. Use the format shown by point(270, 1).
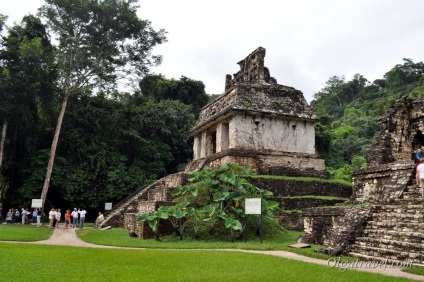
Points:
point(386, 220)
point(259, 123)
point(255, 122)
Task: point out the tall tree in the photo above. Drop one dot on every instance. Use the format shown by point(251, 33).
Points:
point(101, 43)
point(3, 185)
point(2, 117)
point(26, 81)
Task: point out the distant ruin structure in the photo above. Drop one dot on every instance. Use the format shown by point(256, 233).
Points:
point(386, 221)
point(259, 123)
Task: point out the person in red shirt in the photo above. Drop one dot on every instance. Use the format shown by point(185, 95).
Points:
point(67, 218)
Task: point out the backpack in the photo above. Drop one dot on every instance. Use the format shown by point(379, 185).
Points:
point(417, 157)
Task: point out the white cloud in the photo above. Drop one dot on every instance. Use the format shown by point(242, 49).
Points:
point(307, 41)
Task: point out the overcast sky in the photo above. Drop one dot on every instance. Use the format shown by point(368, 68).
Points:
point(306, 41)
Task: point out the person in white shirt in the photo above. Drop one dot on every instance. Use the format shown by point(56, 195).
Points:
point(82, 214)
point(39, 218)
point(74, 215)
point(420, 175)
point(52, 215)
point(58, 215)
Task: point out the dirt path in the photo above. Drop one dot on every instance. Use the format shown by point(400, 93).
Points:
point(68, 237)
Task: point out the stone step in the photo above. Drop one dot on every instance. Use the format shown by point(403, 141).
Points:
point(413, 188)
point(387, 263)
point(412, 195)
point(395, 225)
point(403, 256)
point(160, 193)
point(408, 202)
point(151, 206)
point(174, 180)
point(390, 244)
point(413, 217)
point(402, 205)
point(411, 237)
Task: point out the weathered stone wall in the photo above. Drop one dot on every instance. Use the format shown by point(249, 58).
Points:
point(294, 171)
point(292, 221)
point(268, 162)
point(400, 132)
point(319, 223)
point(142, 229)
point(260, 132)
point(299, 188)
point(295, 164)
point(252, 69)
point(129, 222)
point(335, 228)
point(303, 203)
point(276, 100)
point(381, 183)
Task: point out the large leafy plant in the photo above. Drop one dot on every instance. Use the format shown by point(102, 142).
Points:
point(216, 198)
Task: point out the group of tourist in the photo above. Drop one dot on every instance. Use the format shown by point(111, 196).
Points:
point(74, 219)
point(55, 216)
point(24, 216)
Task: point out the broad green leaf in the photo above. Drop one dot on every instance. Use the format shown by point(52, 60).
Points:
point(143, 217)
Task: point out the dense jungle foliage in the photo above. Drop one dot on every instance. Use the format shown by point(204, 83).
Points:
point(349, 112)
point(113, 142)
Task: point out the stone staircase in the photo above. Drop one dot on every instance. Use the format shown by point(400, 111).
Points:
point(145, 200)
point(396, 231)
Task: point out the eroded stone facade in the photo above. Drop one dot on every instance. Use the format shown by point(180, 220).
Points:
point(401, 132)
point(271, 124)
point(388, 222)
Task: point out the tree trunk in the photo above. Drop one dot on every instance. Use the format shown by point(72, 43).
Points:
point(2, 141)
point(3, 184)
point(53, 151)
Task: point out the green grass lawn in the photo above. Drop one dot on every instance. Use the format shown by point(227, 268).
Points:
point(119, 237)
point(25, 233)
point(49, 263)
point(86, 264)
point(415, 270)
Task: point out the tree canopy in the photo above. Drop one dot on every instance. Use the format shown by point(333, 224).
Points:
point(112, 142)
point(349, 112)
point(101, 44)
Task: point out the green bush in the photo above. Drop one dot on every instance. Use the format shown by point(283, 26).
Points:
point(213, 200)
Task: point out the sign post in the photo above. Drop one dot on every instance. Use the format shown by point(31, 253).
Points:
point(254, 206)
point(37, 203)
point(108, 206)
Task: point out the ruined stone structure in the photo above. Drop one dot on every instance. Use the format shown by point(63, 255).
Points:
point(388, 220)
point(255, 122)
point(259, 123)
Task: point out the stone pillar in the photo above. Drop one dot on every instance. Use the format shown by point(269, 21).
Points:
point(232, 133)
point(222, 137)
point(208, 143)
point(203, 145)
point(197, 147)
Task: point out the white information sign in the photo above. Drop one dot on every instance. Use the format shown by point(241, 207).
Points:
point(253, 206)
point(108, 206)
point(37, 203)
